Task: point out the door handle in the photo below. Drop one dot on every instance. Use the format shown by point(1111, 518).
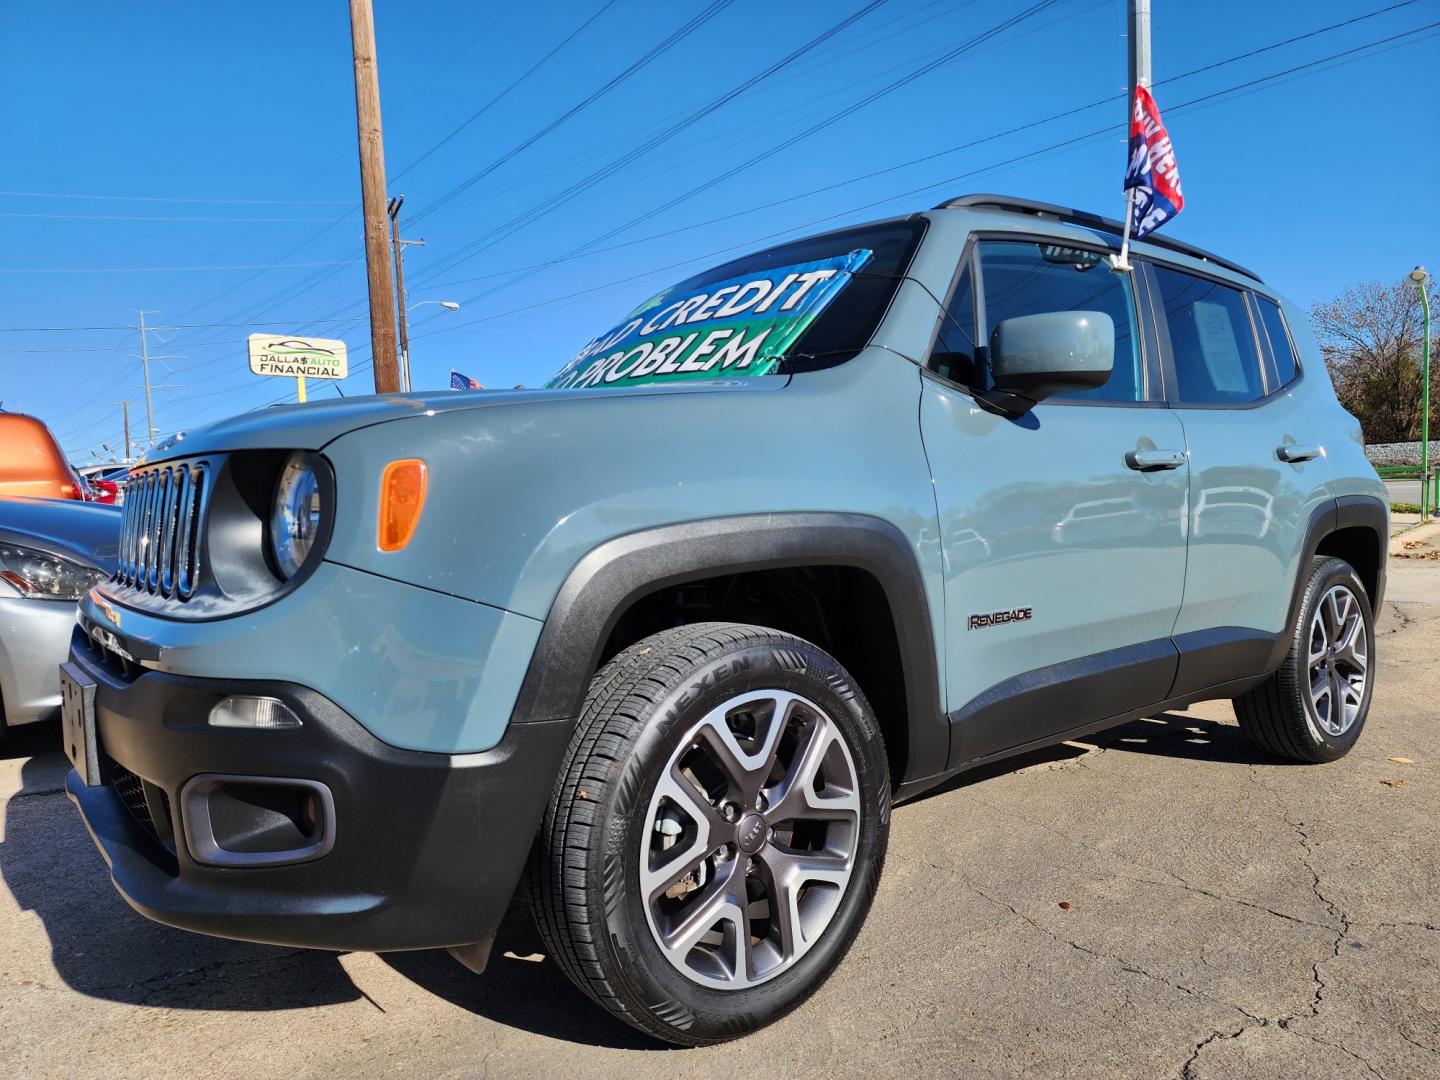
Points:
point(1295, 452)
point(1154, 460)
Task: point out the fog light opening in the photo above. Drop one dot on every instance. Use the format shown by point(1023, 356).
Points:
point(260, 713)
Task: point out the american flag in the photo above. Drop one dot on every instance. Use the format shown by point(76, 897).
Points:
point(463, 382)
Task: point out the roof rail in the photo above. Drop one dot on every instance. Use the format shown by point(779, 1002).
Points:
point(1087, 219)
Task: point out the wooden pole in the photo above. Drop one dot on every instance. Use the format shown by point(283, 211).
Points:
point(372, 192)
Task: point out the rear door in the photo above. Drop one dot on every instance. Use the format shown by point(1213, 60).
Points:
point(1064, 563)
point(1257, 473)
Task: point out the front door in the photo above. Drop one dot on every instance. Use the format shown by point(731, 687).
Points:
point(1063, 531)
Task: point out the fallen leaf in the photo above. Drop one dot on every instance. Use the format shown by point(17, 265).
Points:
point(1392, 783)
point(1064, 905)
point(1402, 761)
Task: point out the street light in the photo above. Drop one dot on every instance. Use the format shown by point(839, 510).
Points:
point(1420, 278)
point(448, 305)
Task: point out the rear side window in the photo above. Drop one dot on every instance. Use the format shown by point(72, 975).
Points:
point(1216, 360)
point(1034, 278)
point(1280, 347)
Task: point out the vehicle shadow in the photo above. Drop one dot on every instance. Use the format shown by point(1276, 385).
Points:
point(1176, 735)
point(102, 948)
point(1169, 734)
point(522, 988)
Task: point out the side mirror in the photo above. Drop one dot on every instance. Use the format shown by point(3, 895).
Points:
point(1035, 356)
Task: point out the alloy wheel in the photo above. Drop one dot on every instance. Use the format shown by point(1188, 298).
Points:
point(1339, 660)
point(750, 840)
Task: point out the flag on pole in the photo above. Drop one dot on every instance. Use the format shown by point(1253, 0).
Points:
point(463, 382)
point(1153, 174)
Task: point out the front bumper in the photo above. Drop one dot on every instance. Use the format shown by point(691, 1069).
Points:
point(427, 850)
point(34, 637)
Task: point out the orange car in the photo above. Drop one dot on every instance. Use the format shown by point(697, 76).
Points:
point(31, 462)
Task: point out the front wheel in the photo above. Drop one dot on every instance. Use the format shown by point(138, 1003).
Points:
point(717, 832)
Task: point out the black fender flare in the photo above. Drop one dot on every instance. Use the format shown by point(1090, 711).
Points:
point(1344, 512)
point(612, 576)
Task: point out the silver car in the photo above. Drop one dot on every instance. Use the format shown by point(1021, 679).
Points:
point(51, 551)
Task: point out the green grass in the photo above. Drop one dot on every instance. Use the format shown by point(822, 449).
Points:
point(1405, 508)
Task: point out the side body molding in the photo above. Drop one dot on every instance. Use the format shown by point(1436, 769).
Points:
point(609, 579)
point(1066, 700)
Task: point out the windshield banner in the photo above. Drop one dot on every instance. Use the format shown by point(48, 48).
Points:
point(740, 326)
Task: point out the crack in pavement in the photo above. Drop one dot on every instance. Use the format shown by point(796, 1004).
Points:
point(1125, 965)
point(1341, 929)
point(1286, 1023)
point(1178, 882)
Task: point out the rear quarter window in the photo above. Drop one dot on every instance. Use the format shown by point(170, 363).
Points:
point(1281, 348)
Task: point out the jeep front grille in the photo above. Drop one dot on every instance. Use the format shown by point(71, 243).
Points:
point(160, 537)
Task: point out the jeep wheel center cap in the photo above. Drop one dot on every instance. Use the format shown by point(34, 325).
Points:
point(751, 833)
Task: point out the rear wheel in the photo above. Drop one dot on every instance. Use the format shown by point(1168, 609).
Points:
point(1315, 706)
point(716, 835)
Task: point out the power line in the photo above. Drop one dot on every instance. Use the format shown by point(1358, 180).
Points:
point(176, 199)
point(1233, 90)
point(553, 202)
point(705, 15)
point(147, 217)
point(509, 86)
point(927, 68)
point(167, 269)
point(355, 207)
point(1249, 85)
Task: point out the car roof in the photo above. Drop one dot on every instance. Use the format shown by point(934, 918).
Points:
point(1030, 208)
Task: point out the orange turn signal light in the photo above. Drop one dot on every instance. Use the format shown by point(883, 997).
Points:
point(402, 497)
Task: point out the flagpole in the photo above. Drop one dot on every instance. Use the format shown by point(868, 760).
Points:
point(1138, 28)
point(1122, 261)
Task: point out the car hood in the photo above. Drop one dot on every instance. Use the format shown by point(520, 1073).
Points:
point(87, 532)
point(311, 426)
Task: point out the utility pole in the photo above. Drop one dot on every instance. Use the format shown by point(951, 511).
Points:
point(372, 196)
point(125, 416)
point(1139, 26)
point(144, 359)
point(394, 210)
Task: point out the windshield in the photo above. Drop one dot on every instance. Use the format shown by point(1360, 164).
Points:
point(813, 303)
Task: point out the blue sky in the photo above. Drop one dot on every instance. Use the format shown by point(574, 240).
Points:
point(223, 139)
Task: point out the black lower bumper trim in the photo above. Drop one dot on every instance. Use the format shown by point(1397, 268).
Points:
point(428, 847)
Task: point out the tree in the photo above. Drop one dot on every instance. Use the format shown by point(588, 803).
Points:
point(1370, 338)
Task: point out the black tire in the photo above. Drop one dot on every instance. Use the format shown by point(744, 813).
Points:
point(1278, 716)
point(585, 872)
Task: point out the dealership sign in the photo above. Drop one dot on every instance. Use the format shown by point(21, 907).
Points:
point(297, 357)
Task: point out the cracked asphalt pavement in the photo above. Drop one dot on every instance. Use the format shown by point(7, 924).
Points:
point(1157, 901)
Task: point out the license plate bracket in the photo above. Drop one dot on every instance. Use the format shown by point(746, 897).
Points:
point(77, 723)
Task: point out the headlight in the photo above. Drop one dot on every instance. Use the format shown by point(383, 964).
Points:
point(298, 514)
point(39, 576)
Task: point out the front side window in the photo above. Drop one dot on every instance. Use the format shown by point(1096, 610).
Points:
point(1280, 347)
point(955, 356)
point(1216, 361)
point(813, 303)
point(1030, 278)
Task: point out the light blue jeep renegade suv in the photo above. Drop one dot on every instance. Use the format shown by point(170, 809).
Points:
point(662, 642)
